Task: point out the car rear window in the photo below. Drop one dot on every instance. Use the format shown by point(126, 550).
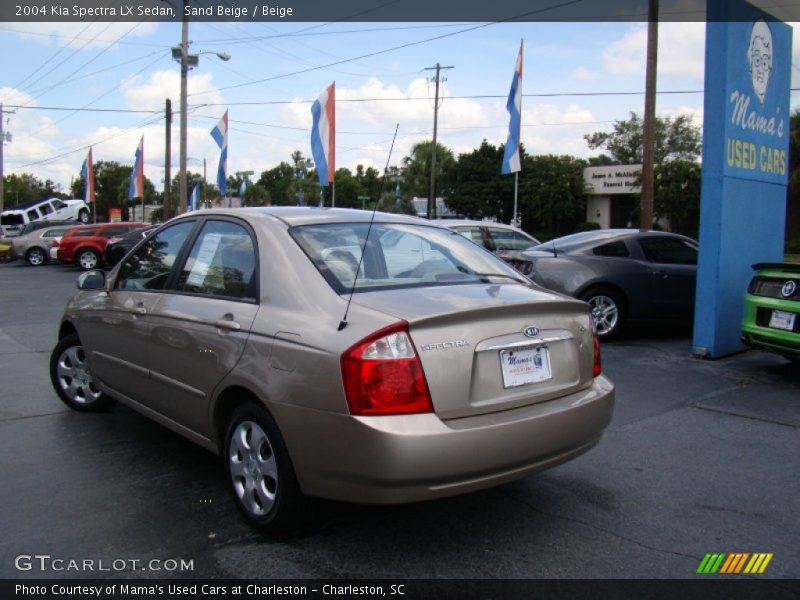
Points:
point(397, 256)
point(15, 219)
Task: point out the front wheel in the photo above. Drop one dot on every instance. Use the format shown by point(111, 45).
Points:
point(36, 257)
point(83, 216)
point(608, 311)
point(71, 378)
point(260, 472)
point(88, 259)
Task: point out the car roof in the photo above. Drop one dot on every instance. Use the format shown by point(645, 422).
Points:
point(474, 223)
point(26, 205)
point(305, 215)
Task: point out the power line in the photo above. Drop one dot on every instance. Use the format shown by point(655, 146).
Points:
point(393, 48)
point(76, 37)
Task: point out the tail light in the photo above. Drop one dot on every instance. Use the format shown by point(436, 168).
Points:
point(598, 368)
point(55, 244)
point(382, 375)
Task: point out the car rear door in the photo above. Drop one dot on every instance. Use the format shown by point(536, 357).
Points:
point(200, 326)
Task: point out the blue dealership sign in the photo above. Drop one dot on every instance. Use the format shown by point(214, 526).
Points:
point(745, 164)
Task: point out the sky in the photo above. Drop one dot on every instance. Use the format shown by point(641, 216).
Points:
point(277, 69)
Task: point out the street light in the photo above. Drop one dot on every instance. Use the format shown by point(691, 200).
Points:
point(187, 61)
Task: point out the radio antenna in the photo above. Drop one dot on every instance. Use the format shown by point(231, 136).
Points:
point(343, 322)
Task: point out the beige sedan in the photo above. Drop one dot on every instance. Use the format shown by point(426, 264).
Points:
point(35, 247)
point(322, 354)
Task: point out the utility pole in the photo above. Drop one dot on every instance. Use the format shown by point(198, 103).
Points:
point(184, 104)
point(648, 152)
point(3, 137)
point(167, 208)
point(432, 196)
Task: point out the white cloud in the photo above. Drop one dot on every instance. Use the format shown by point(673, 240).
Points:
point(164, 84)
point(584, 74)
point(681, 51)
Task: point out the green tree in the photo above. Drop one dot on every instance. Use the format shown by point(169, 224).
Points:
point(348, 189)
point(276, 182)
point(676, 139)
point(479, 189)
point(677, 195)
point(552, 194)
point(256, 195)
point(25, 187)
point(416, 171)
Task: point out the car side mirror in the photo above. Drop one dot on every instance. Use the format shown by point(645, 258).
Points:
point(92, 280)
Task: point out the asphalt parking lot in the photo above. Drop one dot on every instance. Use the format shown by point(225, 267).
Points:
point(700, 457)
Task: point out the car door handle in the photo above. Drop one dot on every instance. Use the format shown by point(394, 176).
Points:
point(227, 322)
point(661, 274)
point(139, 309)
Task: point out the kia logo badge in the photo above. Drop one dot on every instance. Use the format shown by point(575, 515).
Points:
point(531, 331)
point(788, 289)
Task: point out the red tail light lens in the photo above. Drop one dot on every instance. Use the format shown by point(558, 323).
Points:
point(382, 375)
point(55, 244)
point(598, 368)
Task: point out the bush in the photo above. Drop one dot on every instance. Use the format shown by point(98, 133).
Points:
point(586, 226)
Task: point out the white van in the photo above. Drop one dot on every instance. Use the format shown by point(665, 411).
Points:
point(50, 209)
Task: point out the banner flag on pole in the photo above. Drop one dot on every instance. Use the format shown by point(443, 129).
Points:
point(243, 188)
point(136, 186)
point(195, 197)
point(87, 171)
point(511, 159)
point(220, 135)
point(323, 134)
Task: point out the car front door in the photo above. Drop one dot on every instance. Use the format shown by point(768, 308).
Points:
point(116, 328)
point(200, 327)
point(673, 273)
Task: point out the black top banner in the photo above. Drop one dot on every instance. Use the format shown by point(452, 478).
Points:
point(302, 11)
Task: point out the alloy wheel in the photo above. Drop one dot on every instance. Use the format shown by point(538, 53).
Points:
point(74, 378)
point(605, 313)
point(35, 257)
point(87, 260)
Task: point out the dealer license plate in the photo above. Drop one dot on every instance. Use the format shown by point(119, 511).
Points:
point(525, 365)
point(782, 320)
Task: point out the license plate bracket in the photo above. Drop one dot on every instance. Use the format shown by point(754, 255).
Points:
point(525, 366)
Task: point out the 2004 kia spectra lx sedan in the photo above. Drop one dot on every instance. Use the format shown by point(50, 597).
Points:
point(326, 355)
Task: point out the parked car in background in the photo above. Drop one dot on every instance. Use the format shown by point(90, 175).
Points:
point(772, 309)
point(622, 273)
point(248, 333)
point(15, 219)
point(119, 246)
point(34, 246)
point(495, 237)
point(85, 245)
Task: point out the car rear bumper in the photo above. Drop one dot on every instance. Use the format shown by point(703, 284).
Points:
point(757, 335)
point(397, 459)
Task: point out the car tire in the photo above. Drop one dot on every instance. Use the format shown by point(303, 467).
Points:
point(87, 259)
point(259, 472)
point(83, 216)
point(71, 378)
point(36, 257)
point(608, 311)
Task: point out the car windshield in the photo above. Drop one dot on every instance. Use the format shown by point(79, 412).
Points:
point(396, 256)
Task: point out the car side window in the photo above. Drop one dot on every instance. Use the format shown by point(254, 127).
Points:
point(471, 233)
point(149, 267)
point(222, 262)
point(615, 249)
point(85, 232)
point(33, 215)
point(58, 204)
point(46, 209)
point(506, 239)
point(669, 250)
point(112, 231)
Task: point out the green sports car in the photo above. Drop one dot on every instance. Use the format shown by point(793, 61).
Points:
point(772, 309)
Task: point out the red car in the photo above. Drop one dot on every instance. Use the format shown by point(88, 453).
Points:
point(85, 245)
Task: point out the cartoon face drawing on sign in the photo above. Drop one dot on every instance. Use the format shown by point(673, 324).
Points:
point(759, 57)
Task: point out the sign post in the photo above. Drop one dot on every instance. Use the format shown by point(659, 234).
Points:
point(745, 165)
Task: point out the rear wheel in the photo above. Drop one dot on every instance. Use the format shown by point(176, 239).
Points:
point(69, 373)
point(36, 257)
point(88, 259)
point(608, 311)
point(260, 472)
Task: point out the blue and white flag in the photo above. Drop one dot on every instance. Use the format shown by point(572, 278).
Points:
point(136, 185)
point(243, 188)
point(194, 199)
point(220, 135)
point(511, 160)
